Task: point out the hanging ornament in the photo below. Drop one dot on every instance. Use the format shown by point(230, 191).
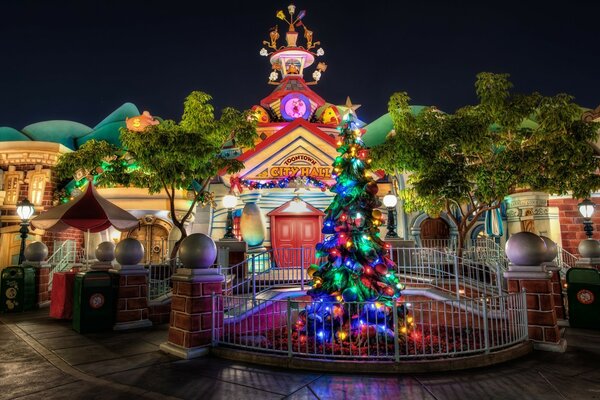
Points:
point(381, 269)
point(376, 214)
point(349, 294)
point(372, 188)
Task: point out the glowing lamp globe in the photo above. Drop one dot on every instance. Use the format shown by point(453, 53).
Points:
point(586, 208)
point(389, 200)
point(25, 209)
point(229, 201)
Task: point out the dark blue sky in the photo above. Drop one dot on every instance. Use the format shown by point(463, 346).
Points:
point(80, 60)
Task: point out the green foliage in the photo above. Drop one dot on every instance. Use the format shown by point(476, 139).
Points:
point(469, 161)
point(169, 156)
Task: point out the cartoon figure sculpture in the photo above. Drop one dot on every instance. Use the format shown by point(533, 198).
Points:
point(273, 36)
point(141, 122)
point(261, 114)
point(331, 116)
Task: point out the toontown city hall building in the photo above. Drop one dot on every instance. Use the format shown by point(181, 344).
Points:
point(283, 186)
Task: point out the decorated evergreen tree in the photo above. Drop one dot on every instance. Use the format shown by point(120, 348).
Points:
point(356, 275)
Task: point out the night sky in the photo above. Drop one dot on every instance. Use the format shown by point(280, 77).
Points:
point(80, 60)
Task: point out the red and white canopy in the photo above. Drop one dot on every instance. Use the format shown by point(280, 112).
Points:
point(88, 212)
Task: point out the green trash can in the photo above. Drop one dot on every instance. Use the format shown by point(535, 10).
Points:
point(583, 292)
point(94, 303)
point(17, 289)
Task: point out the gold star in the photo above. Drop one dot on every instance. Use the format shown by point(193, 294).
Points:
point(351, 108)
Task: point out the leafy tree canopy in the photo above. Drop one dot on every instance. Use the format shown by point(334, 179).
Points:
point(467, 162)
point(168, 156)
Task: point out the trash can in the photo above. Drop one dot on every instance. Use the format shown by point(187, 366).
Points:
point(583, 292)
point(94, 295)
point(17, 289)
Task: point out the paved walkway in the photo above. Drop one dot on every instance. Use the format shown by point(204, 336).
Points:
point(41, 358)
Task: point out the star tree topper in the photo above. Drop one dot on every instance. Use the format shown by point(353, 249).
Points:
point(351, 108)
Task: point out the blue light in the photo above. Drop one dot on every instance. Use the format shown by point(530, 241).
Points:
point(321, 334)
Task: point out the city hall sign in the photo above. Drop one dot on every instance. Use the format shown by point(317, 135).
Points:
point(298, 164)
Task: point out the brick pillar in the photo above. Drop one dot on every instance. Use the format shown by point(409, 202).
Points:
point(191, 324)
point(132, 297)
point(557, 295)
point(541, 309)
point(42, 278)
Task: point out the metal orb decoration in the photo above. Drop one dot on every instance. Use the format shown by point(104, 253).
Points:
point(129, 252)
point(252, 225)
point(589, 248)
point(36, 252)
point(198, 251)
point(105, 251)
point(525, 248)
point(551, 249)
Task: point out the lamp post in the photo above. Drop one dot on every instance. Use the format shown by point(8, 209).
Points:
point(229, 202)
point(390, 201)
point(586, 209)
point(24, 210)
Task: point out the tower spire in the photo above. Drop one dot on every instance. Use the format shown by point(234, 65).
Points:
point(292, 58)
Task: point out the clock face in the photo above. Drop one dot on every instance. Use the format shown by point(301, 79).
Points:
point(294, 106)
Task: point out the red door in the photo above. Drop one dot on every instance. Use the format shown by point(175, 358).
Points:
point(294, 235)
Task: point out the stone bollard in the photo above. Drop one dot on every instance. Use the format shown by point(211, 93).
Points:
point(526, 252)
point(191, 324)
point(132, 294)
point(589, 249)
point(105, 254)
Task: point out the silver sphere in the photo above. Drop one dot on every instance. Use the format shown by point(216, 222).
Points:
point(198, 251)
point(105, 251)
point(525, 248)
point(551, 249)
point(36, 252)
point(589, 248)
point(129, 252)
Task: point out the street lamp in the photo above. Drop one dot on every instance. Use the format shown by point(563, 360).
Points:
point(229, 202)
point(390, 201)
point(586, 209)
point(24, 210)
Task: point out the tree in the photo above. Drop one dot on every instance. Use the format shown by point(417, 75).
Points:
point(356, 267)
point(169, 156)
point(466, 163)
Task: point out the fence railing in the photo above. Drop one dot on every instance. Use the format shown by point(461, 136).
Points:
point(65, 263)
point(159, 280)
point(283, 267)
point(418, 329)
point(426, 267)
point(565, 260)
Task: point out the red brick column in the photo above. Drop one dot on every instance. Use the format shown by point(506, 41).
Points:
point(42, 278)
point(559, 305)
point(191, 324)
point(132, 297)
point(541, 309)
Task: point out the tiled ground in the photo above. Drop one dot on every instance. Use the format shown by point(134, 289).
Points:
point(41, 358)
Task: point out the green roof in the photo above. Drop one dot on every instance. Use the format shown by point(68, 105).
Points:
point(8, 134)
point(73, 134)
point(378, 130)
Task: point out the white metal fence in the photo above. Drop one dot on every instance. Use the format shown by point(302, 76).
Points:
point(424, 329)
point(416, 267)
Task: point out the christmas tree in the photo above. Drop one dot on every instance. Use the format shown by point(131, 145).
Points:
point(356, 287)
